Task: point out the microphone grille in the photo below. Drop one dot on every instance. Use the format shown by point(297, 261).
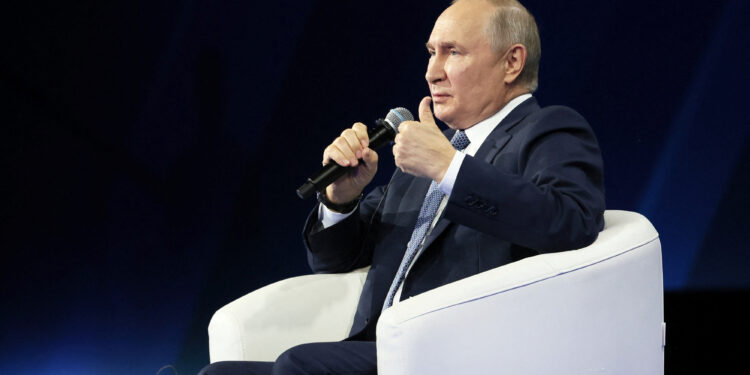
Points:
point(396, 116)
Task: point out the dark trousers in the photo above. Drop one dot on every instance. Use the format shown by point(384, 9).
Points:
point(345, 357)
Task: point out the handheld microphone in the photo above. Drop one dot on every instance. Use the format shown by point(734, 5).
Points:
point(383, 133)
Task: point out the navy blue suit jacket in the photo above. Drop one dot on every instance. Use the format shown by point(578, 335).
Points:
point(534, 186)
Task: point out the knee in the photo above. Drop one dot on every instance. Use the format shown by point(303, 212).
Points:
point(292, 361)
point(237, 367)
point(212, 369)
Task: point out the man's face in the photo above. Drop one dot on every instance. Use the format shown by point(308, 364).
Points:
point(464, 74)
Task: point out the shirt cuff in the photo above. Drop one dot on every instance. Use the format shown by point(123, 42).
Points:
point(328, 218)
point(446, 185)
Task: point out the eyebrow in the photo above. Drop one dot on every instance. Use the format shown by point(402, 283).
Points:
point(445, 44)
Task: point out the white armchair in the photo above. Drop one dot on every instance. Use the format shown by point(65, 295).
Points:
point(596, 310)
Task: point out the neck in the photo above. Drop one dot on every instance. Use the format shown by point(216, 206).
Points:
point(514, 92)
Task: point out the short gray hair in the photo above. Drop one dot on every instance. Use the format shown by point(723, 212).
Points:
point(510, 24)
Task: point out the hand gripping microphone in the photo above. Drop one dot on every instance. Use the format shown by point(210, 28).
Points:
point(383, 133)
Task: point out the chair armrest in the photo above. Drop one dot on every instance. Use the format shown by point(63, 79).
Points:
point(593, 310)
point(262, 324)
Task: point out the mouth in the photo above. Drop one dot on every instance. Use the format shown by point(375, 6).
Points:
point(439, 97)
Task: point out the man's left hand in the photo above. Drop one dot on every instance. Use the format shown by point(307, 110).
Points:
point(420, 147)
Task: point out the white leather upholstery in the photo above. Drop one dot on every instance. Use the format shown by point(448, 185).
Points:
point(597, 310)
point(261, 325)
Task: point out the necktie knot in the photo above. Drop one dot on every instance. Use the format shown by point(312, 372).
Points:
point(460, 141)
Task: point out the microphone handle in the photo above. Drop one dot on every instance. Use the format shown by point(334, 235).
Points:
point(331, 172)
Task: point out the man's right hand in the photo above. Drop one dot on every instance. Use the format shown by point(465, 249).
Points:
point(346, 150)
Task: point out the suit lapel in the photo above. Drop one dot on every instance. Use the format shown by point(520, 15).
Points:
point(440, 226)
point(500, 136)
point(494, 143)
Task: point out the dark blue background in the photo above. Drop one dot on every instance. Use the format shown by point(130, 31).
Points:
point(150, 153)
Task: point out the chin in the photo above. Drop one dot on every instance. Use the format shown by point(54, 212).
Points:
point(443, 116)
point(448, 120)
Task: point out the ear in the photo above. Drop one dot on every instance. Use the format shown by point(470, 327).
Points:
point(515, 60)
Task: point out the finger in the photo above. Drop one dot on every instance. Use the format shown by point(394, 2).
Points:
point(397, 155)
point(326, 155)
point(425, 112)
point(333, 153)
point(404, 128)
point(397, 161)
point(361, 130)
point(354, 144)
point(370, 156)
point(342, 145)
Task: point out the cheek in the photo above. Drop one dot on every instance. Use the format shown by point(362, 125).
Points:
point(466, 81)
point(468, 87)
point(457, 77)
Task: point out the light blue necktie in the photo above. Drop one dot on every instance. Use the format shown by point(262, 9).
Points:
point(424, 222)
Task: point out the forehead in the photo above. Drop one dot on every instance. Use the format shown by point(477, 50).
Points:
point(462, 23)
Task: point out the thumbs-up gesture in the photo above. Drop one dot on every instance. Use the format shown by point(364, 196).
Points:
point(420, 147)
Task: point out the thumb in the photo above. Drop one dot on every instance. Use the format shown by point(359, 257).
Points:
point(425, 113)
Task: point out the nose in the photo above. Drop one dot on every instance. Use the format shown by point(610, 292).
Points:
point(435, 72)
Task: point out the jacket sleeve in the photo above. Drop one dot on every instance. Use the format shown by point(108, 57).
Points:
point(553, 201)
point(342, 247)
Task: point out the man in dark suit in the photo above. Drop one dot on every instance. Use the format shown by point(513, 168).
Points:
point(508, 180)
